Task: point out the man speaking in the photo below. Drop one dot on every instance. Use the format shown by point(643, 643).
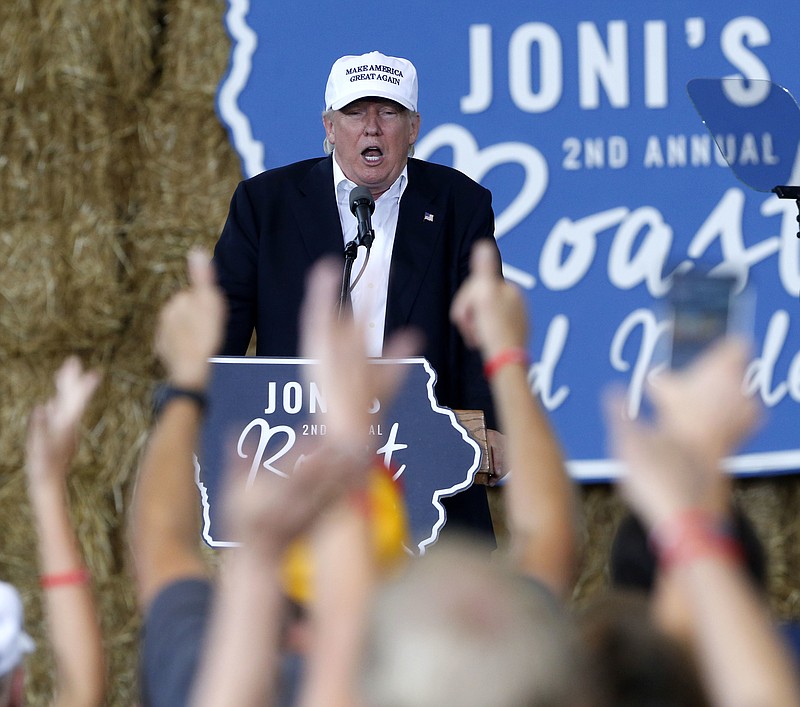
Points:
point(426, 219)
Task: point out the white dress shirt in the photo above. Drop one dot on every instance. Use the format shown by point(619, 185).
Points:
point(371, 291)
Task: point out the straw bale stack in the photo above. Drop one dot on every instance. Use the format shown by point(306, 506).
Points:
point(112, 164)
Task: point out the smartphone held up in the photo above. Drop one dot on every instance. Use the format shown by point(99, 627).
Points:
point(702, 309)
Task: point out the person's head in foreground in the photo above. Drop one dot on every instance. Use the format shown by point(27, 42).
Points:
point(459, 629)
point(636, 663)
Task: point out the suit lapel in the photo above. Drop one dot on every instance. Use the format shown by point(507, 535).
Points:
point(419, 227)
point(317, 213)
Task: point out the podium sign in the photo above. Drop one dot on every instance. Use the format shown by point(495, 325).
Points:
point(262, 410)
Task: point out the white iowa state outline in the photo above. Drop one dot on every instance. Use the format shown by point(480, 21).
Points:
point(438, 494)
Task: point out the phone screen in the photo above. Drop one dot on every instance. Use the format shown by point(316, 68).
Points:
point(700, 307)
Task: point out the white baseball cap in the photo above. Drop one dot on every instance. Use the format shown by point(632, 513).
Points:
point(367, 75)
point(14, 642)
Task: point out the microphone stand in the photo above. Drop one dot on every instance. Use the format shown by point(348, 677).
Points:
point(362, 206)
point(350, 253)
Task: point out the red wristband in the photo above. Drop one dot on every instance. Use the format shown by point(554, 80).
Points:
point(691, 535)
point(513, 354)
point(79, 576)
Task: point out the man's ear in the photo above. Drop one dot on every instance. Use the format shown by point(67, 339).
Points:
point(415, 122)
point(329, 129)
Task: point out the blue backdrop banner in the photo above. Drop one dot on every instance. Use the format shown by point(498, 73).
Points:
point(605, 179)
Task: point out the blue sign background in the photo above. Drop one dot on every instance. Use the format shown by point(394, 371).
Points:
point(604, 178)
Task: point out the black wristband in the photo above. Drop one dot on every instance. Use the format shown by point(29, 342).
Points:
point(166, 392)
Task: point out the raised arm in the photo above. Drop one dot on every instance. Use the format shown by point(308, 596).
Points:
point(72, 621)
point(540, 503)
point(344, 563)
point(242, 647)
point(165, 520)
point(674, 483)
point(241, 650)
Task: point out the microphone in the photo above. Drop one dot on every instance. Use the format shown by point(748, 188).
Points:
point(362, 205)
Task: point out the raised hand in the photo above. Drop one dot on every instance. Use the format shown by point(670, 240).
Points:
point(705, 405)
point(702, 415)
point(488, 311)
point(191, 326)
point(70, 610)
point(53, 428)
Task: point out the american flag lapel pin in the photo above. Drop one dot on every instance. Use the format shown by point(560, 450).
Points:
point(429, 216)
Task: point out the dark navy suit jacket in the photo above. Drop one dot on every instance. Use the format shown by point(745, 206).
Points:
point(283, 220)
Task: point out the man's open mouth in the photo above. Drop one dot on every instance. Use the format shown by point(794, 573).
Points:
point(372, 154)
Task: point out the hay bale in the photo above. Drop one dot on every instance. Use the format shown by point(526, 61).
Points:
point(188, 168)
point(61, 285)
point(21, 39)
point(125, 35)
point(196, 49)
point(120, 625)
point(113, 431)
point(15, 513)
point(157, 270)
point(771, 504)
point(120, 431)
point(96, 523)
point(21, 387)
point(602, 511)
point(57, 156)
point(58, 42)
